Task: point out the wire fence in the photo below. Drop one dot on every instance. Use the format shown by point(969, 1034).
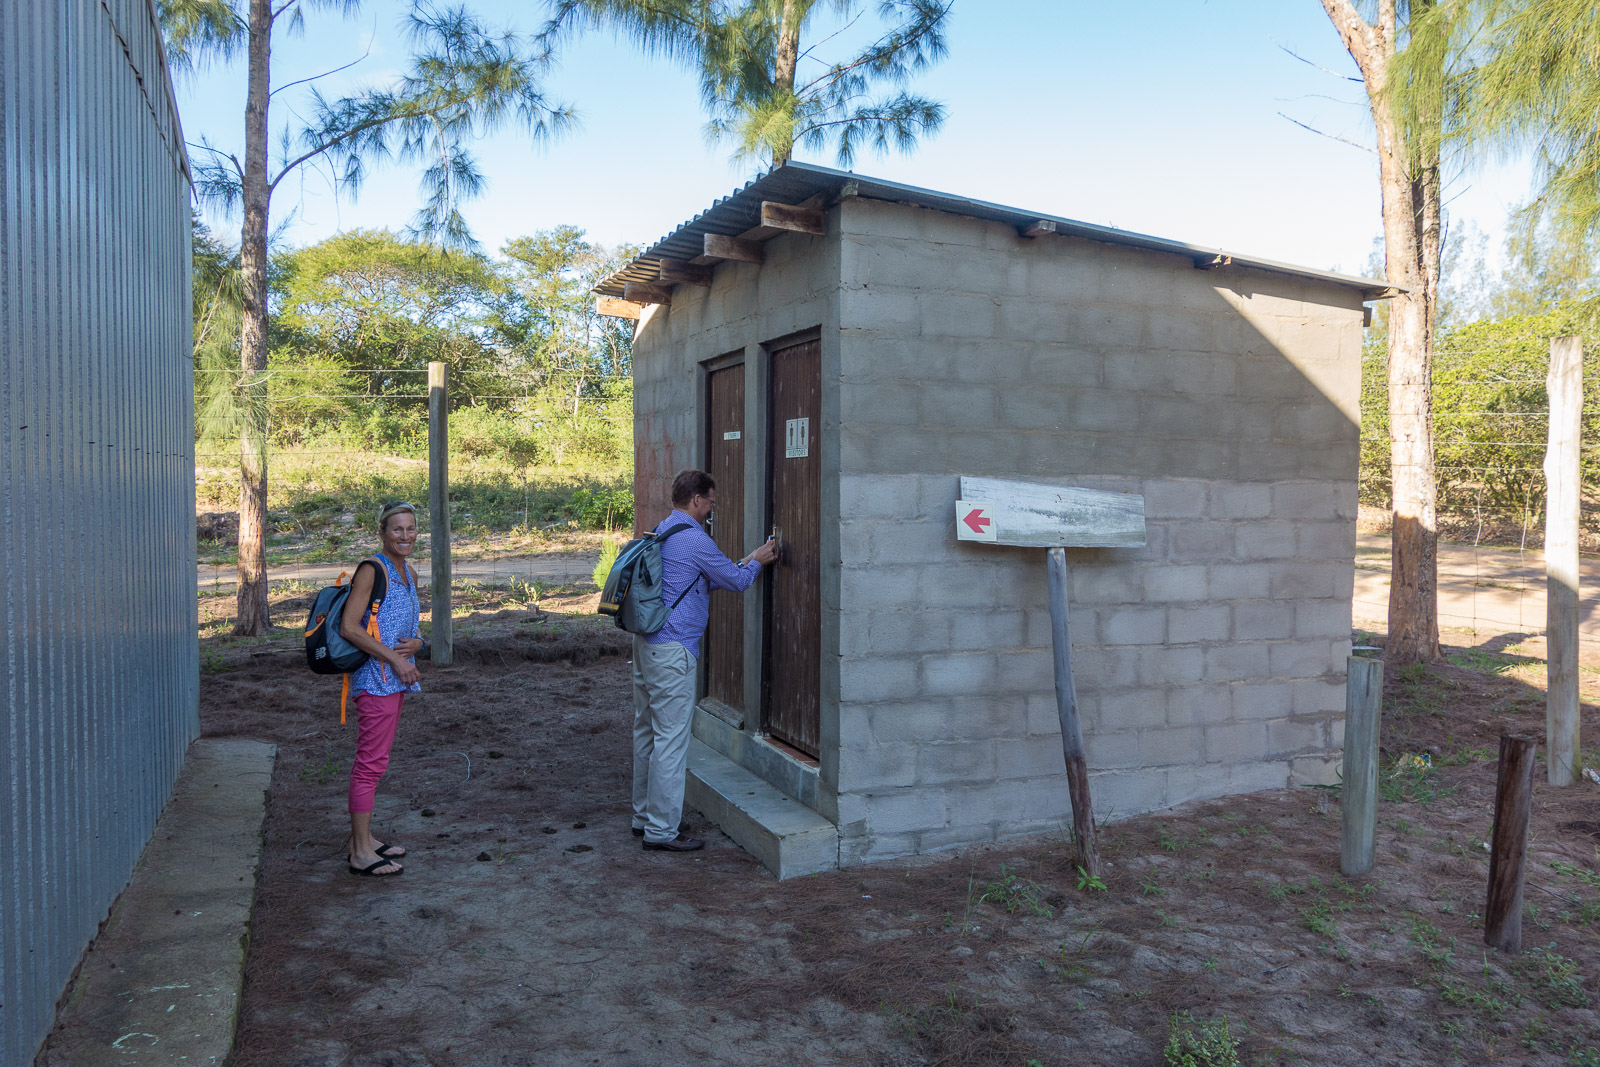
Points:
point(1490, 436)
point(540, 472)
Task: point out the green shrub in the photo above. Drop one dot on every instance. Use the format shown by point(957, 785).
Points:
point(379, 428)
point(479, 433)
point(1195, 1044)
point(603, 507)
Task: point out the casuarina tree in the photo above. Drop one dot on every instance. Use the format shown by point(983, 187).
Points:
point(1408, 145)
point(763, 79)
point(1524, 77)
point(463, 79)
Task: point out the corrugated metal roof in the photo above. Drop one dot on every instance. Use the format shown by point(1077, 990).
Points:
point(791, 183)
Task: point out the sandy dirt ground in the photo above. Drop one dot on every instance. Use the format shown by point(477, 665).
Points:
point(530, 929)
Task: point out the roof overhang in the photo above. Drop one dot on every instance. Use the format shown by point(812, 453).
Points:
point(739, 217)
point(180, 149)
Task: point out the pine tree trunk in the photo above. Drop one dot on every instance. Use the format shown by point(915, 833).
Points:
point(1413, 589)
point(1412, 238)
point(253, 617)
point(1414, 561)
point(783, 73)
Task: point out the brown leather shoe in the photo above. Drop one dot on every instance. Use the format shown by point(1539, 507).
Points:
point(681, 843)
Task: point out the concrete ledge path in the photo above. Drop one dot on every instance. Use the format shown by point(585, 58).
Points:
point(160, 984)
point(786, 836)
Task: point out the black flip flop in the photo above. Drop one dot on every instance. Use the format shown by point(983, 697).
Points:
point(371, 870)
point(392, 851)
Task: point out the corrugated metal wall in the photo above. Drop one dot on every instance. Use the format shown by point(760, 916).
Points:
point(98, 700)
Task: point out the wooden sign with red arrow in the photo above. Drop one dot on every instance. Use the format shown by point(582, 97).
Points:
point(1056, 517)
point(1033, 515)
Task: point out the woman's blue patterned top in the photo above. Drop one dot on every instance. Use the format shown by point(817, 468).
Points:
point(398, 618)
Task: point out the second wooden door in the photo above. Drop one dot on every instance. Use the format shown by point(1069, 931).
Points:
point(792, 678)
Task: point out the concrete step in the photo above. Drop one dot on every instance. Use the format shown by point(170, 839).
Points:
point(786, 836)
point(160, 983)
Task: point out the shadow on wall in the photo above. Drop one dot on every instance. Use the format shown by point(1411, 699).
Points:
point(1210, 661)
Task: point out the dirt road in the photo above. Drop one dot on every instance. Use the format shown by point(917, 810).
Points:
point(560, 568)
point(1481, 590)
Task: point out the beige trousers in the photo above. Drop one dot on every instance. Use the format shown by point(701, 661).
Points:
point(664, 678)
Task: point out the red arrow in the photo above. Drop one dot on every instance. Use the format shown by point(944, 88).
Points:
point(976, 521)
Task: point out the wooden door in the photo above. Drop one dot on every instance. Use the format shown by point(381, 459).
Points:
point(723, 651)
point(792, 686)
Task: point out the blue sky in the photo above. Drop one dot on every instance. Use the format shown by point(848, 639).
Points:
point(1161, 117)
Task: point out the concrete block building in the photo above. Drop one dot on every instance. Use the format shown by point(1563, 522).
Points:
point(837, 351)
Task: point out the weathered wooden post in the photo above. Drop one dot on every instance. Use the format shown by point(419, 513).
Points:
point(1363, 697)
point(1508, 851)
point(1053, 517)
point(441, 640)
point(1564, 385)
point(1067, 709)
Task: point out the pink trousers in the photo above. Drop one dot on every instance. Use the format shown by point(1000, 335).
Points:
point(376, 721)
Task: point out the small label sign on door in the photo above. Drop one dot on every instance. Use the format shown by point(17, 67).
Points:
point(732, 435)
point(797, 438)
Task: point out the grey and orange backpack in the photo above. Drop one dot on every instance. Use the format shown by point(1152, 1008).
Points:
point(327, 650)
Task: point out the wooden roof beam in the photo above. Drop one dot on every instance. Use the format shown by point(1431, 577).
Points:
point(677, 272)
point(645, 293)
point(719, 247)
point(791, 218)
point(617, 308)
point(1212, 262)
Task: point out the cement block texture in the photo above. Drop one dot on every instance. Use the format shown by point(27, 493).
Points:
point(1227, 399)
point(796, 290)
point(1172, 388)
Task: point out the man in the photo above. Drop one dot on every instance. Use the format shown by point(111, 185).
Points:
point(665, 663)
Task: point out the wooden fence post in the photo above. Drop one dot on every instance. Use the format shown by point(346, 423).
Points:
point(442, 639)
point(1564, 386)
point(1508, 852)
point(1358, 798)
point(1067, 709)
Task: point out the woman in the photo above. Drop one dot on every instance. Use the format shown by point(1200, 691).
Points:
point(381, 684)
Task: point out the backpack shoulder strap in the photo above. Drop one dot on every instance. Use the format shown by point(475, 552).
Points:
point(380, 589)
point(380, 577)
point(670, 530)
point(681, 595)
